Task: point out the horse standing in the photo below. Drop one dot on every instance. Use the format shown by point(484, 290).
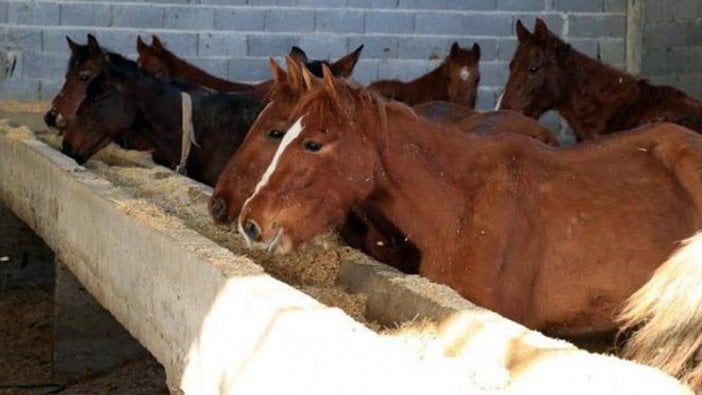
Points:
point(537, 234)
point(547, 73)
point(126, 99)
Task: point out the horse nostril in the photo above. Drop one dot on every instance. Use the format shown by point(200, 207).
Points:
point(218, 210)
point(253, 232)
point(50, 118)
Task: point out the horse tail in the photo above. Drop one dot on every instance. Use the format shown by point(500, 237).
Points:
point(664, 317)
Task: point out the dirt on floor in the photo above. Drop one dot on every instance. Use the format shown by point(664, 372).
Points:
point(27, 326)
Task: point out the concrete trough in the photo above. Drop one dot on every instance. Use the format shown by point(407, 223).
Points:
point(219, 323)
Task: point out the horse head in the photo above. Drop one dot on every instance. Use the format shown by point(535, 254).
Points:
point(536, 78)
point(321, 168)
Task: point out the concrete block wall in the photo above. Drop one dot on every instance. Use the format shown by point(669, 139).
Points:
point(672, 44)
point(403, 38)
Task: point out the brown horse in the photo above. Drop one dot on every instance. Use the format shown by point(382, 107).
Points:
point(245, 168)
point(125, 99)
point(83, 68)
point(163, 63)
point(537, 234)
point(455, 80)
point(546, 73)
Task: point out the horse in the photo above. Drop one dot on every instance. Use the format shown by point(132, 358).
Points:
point(546, 73)
point(455, 80)
point(160, 61)
point(363, 229)
point(80, 72)
point(247, 165)
point(548, 237)
point(126, 99)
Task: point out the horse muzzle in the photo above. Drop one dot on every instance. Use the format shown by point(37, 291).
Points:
point(54, 120)
point(274, 244)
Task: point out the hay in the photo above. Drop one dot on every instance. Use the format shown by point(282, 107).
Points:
point(159, 194)
point(15, 133)
point(27, 107)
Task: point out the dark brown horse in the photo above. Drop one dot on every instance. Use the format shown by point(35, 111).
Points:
point(126, 99)
point(455, 80)
point(538, 234)
point(82, 69)
point(163, 63)
point(547, 73)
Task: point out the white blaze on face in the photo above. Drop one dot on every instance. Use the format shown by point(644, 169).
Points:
point(465, 73)
point(290, 135)
point(499, 101)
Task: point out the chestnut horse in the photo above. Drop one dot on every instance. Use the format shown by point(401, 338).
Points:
point(363, 229)
point(455, 80)
point(250, 161)
point(126, 99)
point(537, 234)
point(163, 63)
point(595, 99)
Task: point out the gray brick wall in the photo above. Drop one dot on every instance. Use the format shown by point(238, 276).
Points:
point(233, 38)
point(672, 44)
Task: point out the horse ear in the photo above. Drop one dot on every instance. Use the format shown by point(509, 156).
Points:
point(540, 29)
point(141, 45)
point(476, 50)
point(522, 33)
point(310, 80)
point(72, 44)
point(454, 49)
point(298, 55)
point(93, 46)
point(329, 82)
point(344, 66)
point(277, 71)
point(295, 79)
point(156, 42)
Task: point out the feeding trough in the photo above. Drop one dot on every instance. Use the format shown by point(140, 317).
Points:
point(223, 319)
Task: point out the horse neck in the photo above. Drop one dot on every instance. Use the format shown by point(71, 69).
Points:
point(432, 84)
point(186, 71)
point(421, 184)
point(594, 93)
point(159, 106)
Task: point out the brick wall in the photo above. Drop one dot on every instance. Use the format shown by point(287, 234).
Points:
point(672, 43)
point(233, 38)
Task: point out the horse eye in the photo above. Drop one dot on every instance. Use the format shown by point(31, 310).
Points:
point(275, 134)
point(533, 68)
point(84, 76)
point(311, 146)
